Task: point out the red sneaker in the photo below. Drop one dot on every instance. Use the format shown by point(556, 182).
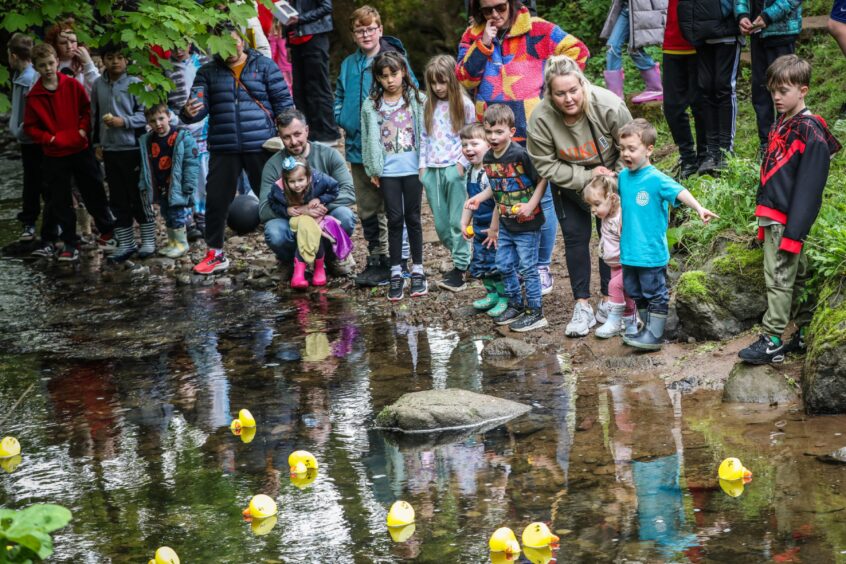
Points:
point(213, 262)
point(107, 243)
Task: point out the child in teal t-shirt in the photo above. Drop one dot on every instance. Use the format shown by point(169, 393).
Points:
point(645, 193)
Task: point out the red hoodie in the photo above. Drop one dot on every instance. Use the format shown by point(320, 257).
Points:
point(674, 41)
point(60, 113)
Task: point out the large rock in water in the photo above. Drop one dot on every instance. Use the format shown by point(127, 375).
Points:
point(757, 384)
point(506, 348)
point(433, 411)
point(726, 297)
point(824, 374)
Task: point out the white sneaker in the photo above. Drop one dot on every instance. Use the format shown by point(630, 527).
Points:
point(545, 279)
point(583, 320)
point(602, 311)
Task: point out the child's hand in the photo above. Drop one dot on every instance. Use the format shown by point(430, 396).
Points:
point(294, 211)
point(745, 26)
point(707, 215)
point(314, 202)
point(375, 181)
point(459, 169)
point(113, 121)
point(421, 173)
point(525, 211)
point(758, 24)
point(472, 204)
point(83, 134)
point(491, 239)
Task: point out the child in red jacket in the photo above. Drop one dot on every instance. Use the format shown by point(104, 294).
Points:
point(58, 117)
point(793, 176)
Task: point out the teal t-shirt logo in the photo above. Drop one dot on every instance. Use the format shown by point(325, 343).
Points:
point(642, 198)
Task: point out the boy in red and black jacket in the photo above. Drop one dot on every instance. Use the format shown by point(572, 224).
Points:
point(793, 176)
point(57, 116)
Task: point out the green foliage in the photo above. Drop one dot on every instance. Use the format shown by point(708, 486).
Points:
point(165, 23)
point(582, 18)
point(25, 534)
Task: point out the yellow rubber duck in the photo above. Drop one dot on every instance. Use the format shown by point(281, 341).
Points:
point(538, 535)
point(245, 419)
point(400, 514)
point(515, 209)
point(732, 469)
point(538, 555)
point(165, 555)
point(401, 534)
point(469, 230)
point(732, 487)
point(9, 447)
point(261, 527)
point(11, 463)
point(261, 507)
point(304, 479)
point(504, 540)
point(300, 461)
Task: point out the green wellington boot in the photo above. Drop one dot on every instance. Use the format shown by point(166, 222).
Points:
point(486, 303)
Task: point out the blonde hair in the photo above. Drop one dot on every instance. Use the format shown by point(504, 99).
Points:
point(562, 65)
point(365, 15)
point(441, 68)
point(607, 185)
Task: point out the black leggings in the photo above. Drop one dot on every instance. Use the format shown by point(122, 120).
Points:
point(575, 224)
point(127, 201)
point(224, 172)
point(403, 196)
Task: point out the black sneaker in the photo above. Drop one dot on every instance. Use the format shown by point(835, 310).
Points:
point(707, 166)
point(396, 289)
point(766, 350)
point(531, 319)
point(69, 254)
point(46, 250)
point(688, 168)
point(419, 285)
point(376, 273)
point(796, 344)
point(509, 316)
point(453, 281)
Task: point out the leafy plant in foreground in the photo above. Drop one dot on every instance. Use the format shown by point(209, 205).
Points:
point(25, 534)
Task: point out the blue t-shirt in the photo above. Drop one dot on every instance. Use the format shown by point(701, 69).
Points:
point(644, 195)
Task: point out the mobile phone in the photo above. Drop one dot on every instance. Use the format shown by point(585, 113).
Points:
point(198, 93)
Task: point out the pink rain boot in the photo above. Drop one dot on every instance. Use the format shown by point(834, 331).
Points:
point(654, 89)
point(298, 280)
point(318, 278)
point(614, 82)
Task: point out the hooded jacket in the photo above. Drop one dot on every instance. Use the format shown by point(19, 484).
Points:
point(510, 71)
point(184, 172)
point(237, 123)
point(315, 16)
point(352, 88)
point(60, 113)
point(793, 176)
point(113, 97)
point(372, 153)
point(21, 83)
point(323, 187)
point(565, 154)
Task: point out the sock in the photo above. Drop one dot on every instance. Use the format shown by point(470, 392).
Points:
point(217, 252)
point(417, 269)
point(396, 271)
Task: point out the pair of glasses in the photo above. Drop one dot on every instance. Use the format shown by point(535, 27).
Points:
point(487, 11)
point(365, 31)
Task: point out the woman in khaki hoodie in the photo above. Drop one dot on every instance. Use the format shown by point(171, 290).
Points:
point(572, 137)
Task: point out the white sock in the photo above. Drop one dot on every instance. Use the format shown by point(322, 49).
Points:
point(396, 271)
point(417, 269)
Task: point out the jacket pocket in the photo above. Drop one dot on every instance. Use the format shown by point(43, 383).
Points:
point(69, 139)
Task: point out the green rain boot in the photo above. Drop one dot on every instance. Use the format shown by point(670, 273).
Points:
point(486, 303)
point(502, 303)
point(179, 245)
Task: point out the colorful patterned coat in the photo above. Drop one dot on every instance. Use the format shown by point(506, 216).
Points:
point(510, 71)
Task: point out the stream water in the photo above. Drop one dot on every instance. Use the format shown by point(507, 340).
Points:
point(128, 390)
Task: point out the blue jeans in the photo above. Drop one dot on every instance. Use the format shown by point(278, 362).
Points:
point(175, 217)
point(283, 242)
point(483, 263)
point(549, 229)
point(618, 40)
point(647, 286)
point(518, 252)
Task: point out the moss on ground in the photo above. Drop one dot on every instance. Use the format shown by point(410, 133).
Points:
point(828, 327)
point(693, 285)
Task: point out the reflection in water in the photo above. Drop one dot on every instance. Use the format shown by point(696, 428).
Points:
point(138, 387)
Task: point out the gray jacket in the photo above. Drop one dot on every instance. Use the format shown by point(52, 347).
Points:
point(647, 19)
point(21, 85)
point(114, 98)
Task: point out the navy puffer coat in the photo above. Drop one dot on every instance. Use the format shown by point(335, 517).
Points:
point(237, 124)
